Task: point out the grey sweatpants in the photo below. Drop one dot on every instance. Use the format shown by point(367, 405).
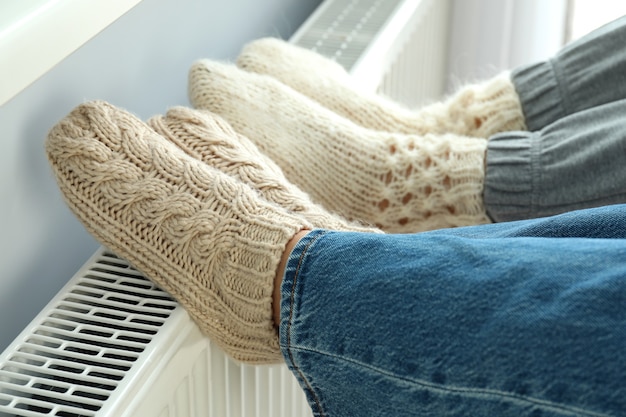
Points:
point(573, 155)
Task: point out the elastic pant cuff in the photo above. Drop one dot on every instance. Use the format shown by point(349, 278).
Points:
point(540, 96)
point(509, 183)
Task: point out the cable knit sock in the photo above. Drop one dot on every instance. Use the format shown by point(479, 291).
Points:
point(206, 238)
point(478, 110)
point(401, 183)
point(209, 138)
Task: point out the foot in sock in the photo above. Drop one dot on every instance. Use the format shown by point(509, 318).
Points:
point(479, 110)
point(400, 183)
point(208, 239)
point(209, 138)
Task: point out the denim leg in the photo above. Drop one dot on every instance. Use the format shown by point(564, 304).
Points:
point(577, 162)
point(518, 319)
point(586, 73)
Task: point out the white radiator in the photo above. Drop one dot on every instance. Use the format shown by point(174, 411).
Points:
point(112, 344)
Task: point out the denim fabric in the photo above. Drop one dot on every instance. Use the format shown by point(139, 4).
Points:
point(513, 319)
point(572, 156)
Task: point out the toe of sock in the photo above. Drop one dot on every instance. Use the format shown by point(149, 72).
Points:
point(284, 60)
point(209, 81)
point(86, 131)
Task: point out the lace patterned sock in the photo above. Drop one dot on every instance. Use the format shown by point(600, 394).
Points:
point(476, 110)
point(209, 138)
point(208, 239)
point(400, 183)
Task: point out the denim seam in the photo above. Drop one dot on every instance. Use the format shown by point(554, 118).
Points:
point(476, 392)
point(318, 403)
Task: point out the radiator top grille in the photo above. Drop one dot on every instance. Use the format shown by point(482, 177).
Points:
point(346, 28)
point(74, 357)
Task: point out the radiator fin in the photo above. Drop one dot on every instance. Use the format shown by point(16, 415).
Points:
point(235, 389)
point(416, 75)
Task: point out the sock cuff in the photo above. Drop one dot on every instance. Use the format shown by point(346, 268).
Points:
point(442, 188)
point(490, 107)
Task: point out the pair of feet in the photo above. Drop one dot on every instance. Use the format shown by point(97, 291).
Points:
point(206, 210)
point(356, 153)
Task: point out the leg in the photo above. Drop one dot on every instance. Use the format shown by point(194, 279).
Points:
point(587, 73)
point(576, 162)
point(211, 240)
point(400, 183)
point(472, 321)
point(479, 110)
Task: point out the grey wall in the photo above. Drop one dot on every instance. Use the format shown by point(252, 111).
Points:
point(140, 63)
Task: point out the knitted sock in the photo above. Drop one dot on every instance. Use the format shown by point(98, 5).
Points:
point(211, 139)
point(401, 183)
point(206, 238)
point(479, 110)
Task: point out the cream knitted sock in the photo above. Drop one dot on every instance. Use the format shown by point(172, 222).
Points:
point(209, 138)
point(478, 110)
point(206, 238)
point(401, 183)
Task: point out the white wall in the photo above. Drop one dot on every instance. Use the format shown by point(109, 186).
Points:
point(140, 63)
point(489, 36)
point(588, 15)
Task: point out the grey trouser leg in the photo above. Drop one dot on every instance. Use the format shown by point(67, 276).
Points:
point(584, 74)
point(576, 162)
point(574, 154)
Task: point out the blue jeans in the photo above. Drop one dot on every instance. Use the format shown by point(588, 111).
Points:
point(513, 319)
point(572, 156)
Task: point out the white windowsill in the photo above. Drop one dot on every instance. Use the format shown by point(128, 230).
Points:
point(37, 34)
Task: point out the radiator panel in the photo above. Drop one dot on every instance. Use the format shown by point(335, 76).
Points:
point(416, 73)
point(90, 337)
point(397, 48)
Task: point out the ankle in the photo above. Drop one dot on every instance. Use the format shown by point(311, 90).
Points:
point(280, 272)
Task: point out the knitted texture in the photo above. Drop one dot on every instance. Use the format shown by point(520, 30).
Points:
point(204, 237)
point(209, 138)
point(478, 110)
point(400, 183)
